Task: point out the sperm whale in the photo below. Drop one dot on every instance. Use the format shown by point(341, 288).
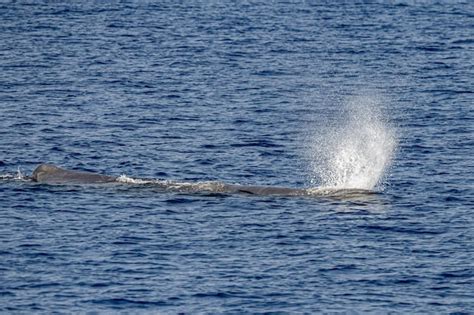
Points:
point(52, 174)
point(55, 175)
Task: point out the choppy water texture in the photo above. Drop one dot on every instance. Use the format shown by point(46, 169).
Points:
point(373, 95)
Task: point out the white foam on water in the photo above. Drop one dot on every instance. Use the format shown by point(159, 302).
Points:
point(212, 186)
point(19, 174)
point(355, 151)
point(129, 180)
point(7, 176)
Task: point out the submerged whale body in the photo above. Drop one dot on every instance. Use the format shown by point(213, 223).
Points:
point(52, 174)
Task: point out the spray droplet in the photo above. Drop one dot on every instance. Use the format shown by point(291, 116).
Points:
point(355, 152)
point(19, 174)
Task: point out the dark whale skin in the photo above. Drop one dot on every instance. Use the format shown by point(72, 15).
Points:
point(55, 175)
point(51, 174)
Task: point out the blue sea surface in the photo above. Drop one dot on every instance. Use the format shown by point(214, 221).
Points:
point(376, 95)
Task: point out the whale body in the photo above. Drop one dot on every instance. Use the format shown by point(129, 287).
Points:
point(55, 175)
point(52, 174)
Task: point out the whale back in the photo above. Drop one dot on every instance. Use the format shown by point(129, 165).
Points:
point(51, 174)
point(266, 190)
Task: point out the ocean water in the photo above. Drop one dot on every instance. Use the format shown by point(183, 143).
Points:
point(372, 95)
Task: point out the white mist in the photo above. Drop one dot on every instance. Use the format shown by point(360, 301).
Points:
point(356, 150)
